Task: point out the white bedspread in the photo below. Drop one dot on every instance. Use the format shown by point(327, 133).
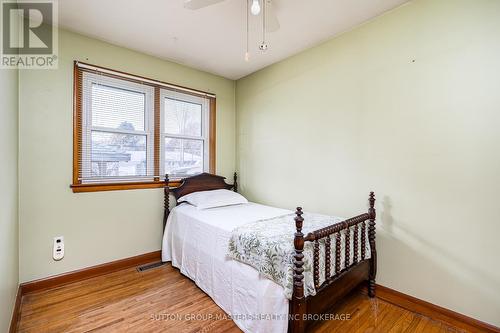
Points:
point(196, 242)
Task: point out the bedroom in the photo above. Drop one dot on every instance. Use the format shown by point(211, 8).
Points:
point(396, 97)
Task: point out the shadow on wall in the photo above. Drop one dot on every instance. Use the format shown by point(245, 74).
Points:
point(439, 265)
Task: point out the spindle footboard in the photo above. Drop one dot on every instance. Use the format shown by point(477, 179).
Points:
point(304, 311)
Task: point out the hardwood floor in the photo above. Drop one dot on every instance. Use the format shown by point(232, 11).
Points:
point(131, 301)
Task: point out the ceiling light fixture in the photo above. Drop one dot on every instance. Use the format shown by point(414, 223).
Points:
point(270, 21)
point(255, 8)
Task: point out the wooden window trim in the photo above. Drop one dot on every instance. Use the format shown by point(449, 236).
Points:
point(78, 188)
point(212, 135)
point(77, 185)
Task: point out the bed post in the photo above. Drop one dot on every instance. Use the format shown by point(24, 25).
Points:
point(298, 304)
point(166, 202)
point(235, 182)
point(371, 238)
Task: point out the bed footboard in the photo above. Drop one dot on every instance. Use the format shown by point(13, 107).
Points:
point(338, 283)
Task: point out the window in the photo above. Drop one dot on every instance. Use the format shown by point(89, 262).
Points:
point(129, 131)
point(185, 129)
point(117, 136)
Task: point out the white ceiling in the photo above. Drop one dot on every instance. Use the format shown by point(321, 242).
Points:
point(213, 38)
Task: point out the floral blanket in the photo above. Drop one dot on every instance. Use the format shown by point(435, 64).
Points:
point(267, 245)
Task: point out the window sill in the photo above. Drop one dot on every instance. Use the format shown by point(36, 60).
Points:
point(79, 188)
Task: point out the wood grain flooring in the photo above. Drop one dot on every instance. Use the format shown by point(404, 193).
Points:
point(163, 300)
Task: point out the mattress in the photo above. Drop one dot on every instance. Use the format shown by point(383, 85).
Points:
point(196, 241)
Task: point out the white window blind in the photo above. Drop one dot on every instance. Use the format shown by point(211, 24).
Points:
point(184, 133)
point(117, 130)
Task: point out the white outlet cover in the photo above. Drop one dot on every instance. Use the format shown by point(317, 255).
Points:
point(58, 248)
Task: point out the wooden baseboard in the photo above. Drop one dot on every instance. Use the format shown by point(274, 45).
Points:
point(433, 311)
point(15, 312)
point(74, 276)
point(89, 272)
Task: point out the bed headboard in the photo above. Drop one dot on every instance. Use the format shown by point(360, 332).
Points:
point(201, 182)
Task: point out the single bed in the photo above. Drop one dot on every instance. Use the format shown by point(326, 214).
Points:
point(196, 242)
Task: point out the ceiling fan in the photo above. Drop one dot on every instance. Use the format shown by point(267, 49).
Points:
point(272, 24)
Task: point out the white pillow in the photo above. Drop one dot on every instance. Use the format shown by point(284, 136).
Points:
point(214, 198)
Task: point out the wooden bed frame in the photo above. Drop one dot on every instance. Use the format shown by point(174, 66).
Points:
point(305, 311)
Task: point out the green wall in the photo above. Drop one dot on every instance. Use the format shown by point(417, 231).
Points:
point(407, 105)
point(103, 226)
point(9, 245)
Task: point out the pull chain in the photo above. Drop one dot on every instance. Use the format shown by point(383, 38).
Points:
point(263, 46)
point(247, 53)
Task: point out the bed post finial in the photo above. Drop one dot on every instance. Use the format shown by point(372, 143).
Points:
point(235, 182)
point(166, 201)
point(371, 200)
point(298, 301)
point(299, 220)
point(371, 238)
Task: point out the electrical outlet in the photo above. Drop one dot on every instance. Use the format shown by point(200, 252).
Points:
point(58, 248)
